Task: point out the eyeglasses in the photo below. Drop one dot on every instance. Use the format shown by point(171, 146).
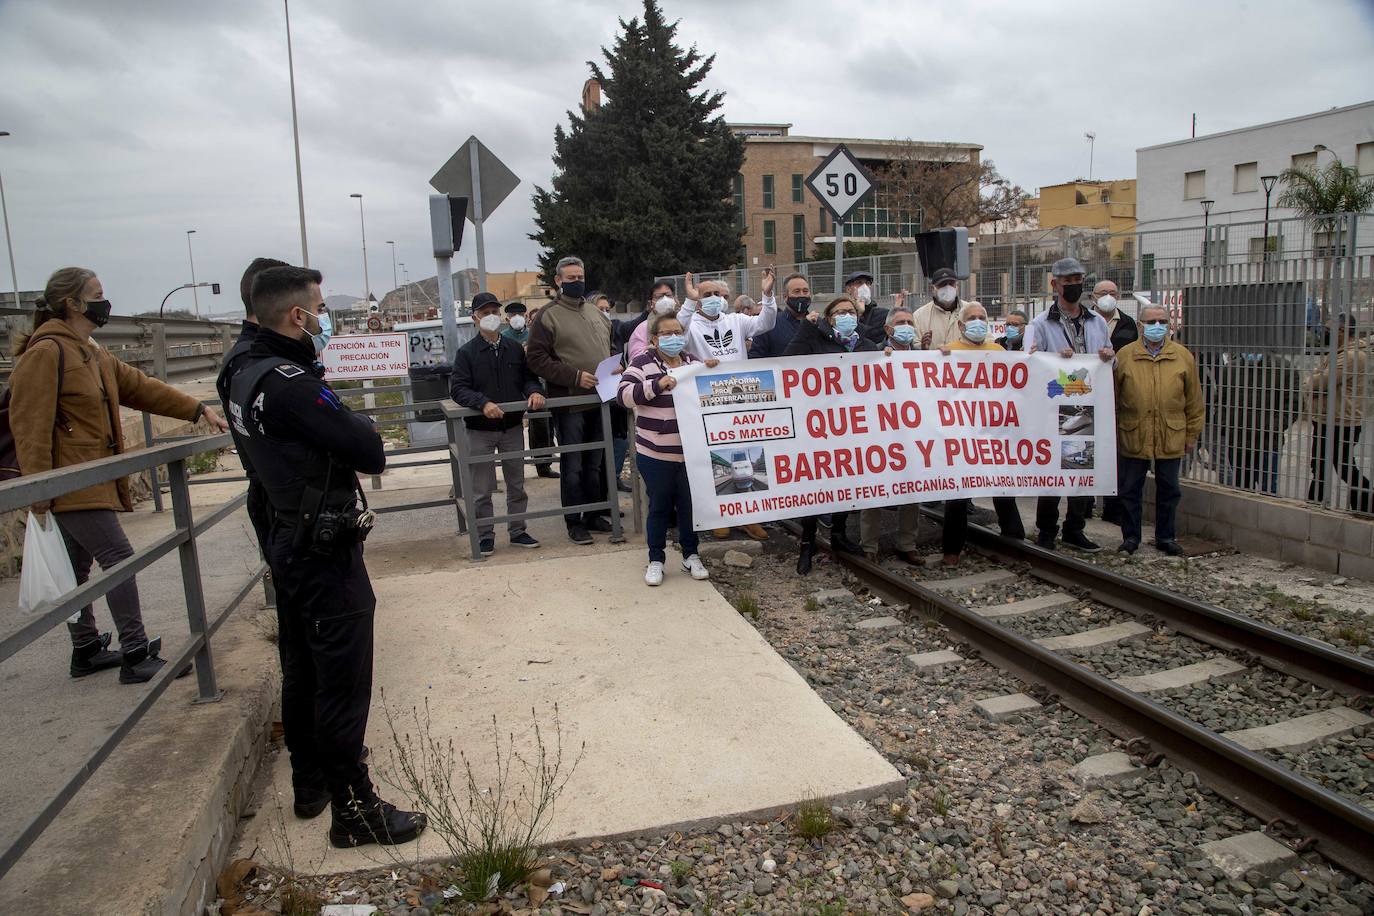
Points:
point(1163, 321)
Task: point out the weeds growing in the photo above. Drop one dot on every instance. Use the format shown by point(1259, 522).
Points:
point(813, 819)
point(748, 605)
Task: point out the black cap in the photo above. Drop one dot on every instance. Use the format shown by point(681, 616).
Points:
point(943, 274)
point(858, 275)
point(516, 308)
point(482, 300)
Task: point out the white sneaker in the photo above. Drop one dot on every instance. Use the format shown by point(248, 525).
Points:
point(693, 565)
point(654, 574)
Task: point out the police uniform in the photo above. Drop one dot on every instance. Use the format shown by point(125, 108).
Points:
point(306, 449)
point(258, 508)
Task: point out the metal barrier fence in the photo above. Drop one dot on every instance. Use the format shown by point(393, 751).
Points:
point(25, 491)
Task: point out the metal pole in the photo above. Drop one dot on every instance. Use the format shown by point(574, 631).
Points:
point(152, 471)
point(394, 284)
point(1013, 274)
point(1264, 246)
point(190, 581)
point(455, 468)
point(477, 215)
point(296, 134)
point(444, 267)
point(195, 295)
point(839, 256)
point(362, 223)
point(612, 491)
point(9, 242)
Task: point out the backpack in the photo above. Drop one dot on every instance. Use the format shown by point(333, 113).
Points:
point(9, 452)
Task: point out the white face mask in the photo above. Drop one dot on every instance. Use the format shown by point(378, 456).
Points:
point(517, 322)
point(1106, 304)
point(490, 323)
point(864, 293)
point(946, 295)
point(665, 304)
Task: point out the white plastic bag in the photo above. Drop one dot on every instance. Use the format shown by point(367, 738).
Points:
point(47, 573)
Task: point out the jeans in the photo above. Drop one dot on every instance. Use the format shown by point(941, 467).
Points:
point(1047, 515)
point(1130, 475)
point(491, 442)
point(1347, 437)
point(666, 484)
point(96, 535)
point(955, 533)
point(871, 527)
point(582, 479)
point(541, 436)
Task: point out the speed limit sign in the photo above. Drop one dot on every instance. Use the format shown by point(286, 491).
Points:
point(840, 182)
point(374, 323)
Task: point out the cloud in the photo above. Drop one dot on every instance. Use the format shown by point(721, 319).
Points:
point(134, 122)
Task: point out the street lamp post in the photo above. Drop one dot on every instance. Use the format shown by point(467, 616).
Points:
point(362, 222)
point(394, 284)
point(1206, 230)
point(9, 242)
point(1268, 181)
point(1091, 137)
point(405, 277)
point(192, 258)
point(296, 133)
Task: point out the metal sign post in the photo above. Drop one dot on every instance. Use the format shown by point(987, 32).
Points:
point(446, 230)
point(474, 172)
point(840, 182)
point(477, 212)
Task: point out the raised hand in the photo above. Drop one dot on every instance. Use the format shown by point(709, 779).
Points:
point(768, 277)
point(689, 288)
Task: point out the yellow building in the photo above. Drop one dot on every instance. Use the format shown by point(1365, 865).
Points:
point(1108, 206)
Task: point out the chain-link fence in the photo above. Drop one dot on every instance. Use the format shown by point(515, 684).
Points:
point(1277, 313)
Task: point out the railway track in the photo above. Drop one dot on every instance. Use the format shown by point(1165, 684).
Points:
point(1037, 639)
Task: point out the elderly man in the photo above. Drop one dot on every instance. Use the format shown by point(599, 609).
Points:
point(1353, 393)
point(796, 291)
point(745, 305)
point(900, 334)
point(1159, 419)
point(1067, 328)
point(567, 343)
point(1015, 337)
point(488, 370)
point(872, 319)
point(937, 322)
point(1121, 331)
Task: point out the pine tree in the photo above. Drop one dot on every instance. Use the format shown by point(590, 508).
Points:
point(643, 184)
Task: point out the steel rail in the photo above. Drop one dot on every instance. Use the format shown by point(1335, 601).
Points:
point(1342, 830)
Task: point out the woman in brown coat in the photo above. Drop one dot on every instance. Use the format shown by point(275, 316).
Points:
point(64, 410)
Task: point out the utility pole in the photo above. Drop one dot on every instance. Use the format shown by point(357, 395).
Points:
point(192, 257)
point(296, 134)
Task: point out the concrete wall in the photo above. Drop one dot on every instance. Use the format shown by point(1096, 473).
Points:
point(1160, 203)
point(1335, 542)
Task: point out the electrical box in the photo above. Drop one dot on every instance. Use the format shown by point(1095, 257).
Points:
point(944, 248)
point(446, 216)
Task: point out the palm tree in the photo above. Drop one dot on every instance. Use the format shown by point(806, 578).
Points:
point(1320, 197)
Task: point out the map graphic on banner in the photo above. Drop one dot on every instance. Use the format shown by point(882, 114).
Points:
point(781, 438)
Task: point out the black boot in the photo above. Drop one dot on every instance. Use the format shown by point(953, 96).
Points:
point(138, 666)
point(373, 821)
point(93, 656)
point(840, 543)
point(808, 550)
point(312, 797)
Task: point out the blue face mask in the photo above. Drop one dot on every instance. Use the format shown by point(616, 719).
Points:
point(1013, 332)
point(321, 340)
point(672, 344)
point(845, 324)
point(712, 305)
point(976, 330)
point(1154, 333)
point(904, 333)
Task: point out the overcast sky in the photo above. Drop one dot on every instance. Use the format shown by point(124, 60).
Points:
point(136, 120)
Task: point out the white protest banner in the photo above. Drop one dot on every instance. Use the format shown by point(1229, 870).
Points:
point(781, 438)
point(354, 356)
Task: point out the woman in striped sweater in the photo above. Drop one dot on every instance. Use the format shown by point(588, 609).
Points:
point(647, 389)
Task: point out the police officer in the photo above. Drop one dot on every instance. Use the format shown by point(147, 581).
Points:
point(307, 450)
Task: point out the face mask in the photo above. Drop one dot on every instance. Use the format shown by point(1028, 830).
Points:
point(711, 306)
point(1013, 332)
point(904, 333)
point(799, 304)
point(665, 304)
point(946, 296)
point(320, 340)
point(672, 344)
point(976, 330)
point(1106, 304)
point(574, 289)
point(1071, 292)
point(490, 323)
point(606, 314)
point(98, 311)
point(517, 322)
point(864, 293)
point(1154, 333)
point(845, 324)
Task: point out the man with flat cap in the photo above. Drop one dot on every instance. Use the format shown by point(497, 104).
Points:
point(517, 324)
point(1069, 329)
point(937, 322)
point(872, 319)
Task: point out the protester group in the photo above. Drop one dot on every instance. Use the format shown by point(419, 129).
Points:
point(303, 449)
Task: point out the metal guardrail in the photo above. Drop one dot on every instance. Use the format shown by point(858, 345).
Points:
point(25, 491)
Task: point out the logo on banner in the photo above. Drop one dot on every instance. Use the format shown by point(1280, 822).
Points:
point(720, 341)
point(1070, 384)
point(737, 388)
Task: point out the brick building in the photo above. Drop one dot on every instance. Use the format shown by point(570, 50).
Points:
point(783, 221)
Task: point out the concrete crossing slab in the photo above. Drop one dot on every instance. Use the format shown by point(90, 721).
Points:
point(1000, 709)
point(1026, 606)
point(878, 623)
point(1104, 768)
point(962, 583)
point(683, 708)
point(1301, 732)
point(1254, 851)
point(933, 661)
point(1184, 676)
point(1091, 639)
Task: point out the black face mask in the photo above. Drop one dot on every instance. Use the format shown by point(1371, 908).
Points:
point(1071, 292)
point(799, 304)
point(98, 312)
point(574, 289)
